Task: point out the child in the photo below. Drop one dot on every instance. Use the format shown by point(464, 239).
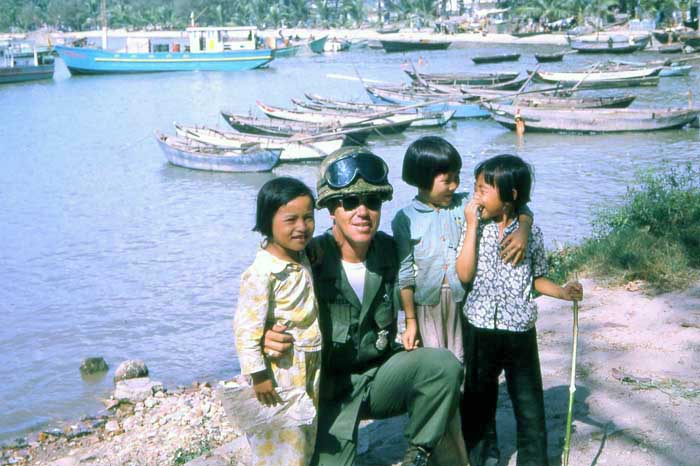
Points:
point(277, 289)
point(501, 314)
point(427, 234)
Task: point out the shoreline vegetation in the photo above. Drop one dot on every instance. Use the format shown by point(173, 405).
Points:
point(652, 237)
point(638, 358)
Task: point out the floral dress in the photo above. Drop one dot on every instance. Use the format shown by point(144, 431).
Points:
point(275, 291)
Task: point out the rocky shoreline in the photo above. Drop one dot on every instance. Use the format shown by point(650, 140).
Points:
point(637, 398)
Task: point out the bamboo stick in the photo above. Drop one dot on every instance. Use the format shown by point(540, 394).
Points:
point(572, 389)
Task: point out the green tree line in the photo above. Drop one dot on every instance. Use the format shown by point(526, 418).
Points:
point(76, 15)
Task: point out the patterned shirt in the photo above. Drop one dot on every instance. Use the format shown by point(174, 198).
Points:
point(275, 291)
point(501, 296)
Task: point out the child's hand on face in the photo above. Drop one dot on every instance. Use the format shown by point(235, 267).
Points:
point(265, 392)
point(572, 291)
point(471, 212)
point(409, 338)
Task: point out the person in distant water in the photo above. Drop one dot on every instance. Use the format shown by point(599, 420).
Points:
point(365, 375)
point(501, 314)
point(277, 288)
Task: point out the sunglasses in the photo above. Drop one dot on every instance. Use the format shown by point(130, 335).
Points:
point(352, 202)
point(344, 172)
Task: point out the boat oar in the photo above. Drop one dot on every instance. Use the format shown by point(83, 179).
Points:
point(572, 390)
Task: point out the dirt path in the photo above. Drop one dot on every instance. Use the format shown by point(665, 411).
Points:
point(637, 390)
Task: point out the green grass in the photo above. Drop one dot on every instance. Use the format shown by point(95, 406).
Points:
point(653, 235)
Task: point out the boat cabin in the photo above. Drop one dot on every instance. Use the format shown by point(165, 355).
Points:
point(222, 39)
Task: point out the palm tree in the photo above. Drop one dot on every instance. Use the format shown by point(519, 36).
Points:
point(550, 9)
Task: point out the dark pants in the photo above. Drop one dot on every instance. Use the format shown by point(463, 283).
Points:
point(423, 383)
point(487, 353)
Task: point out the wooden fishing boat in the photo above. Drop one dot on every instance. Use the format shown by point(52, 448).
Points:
point(458, 103)
point(666, 71)
point(388, 30)
point(592, 120)
point(208, 49)
point(483, 59)
point(406, 45)
point(665, 37)
point(594, 75)
point(294, 149)
point(671, 48)
point(427, 118)
point(189, 154)
point(327, 118)
point(552, 102)
point(356, 135)
point(690, 38)
point(23, 62)
point(317, 45)
point(549, 57)
point(288, 51)
point(473, 79)
point(513, 85)
point(611, 45)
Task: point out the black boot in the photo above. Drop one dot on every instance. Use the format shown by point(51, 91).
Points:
point(415, 456)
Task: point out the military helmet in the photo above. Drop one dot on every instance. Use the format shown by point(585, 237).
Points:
point(352, 170)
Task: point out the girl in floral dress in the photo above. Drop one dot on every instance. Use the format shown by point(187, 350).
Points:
point(277, 289)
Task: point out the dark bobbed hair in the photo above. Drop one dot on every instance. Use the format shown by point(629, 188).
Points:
point(273, 195)
point(506, 173)
point(427, 158)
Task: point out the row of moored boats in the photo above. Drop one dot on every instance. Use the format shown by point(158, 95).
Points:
point(313, 127)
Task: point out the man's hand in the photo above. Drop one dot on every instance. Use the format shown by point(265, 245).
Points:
point(276, 342)
point(513, 246)
point(572, 291)
point(409, 337)
point(264, 390)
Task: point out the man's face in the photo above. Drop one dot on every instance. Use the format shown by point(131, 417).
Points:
point(356, 217)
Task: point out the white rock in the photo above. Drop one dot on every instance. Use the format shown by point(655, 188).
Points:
point(112, 426)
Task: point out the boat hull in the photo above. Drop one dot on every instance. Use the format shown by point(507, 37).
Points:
point(292, 151)
point(97, 61)
point(593, 121)
point(394, 46)
point(462, 110)
point(25, 73)
point(256, 160)
point(496, 58)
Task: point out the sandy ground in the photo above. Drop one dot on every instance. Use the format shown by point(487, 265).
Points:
point(637, 399)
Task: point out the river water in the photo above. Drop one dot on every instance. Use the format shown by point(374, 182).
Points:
point(107, 250)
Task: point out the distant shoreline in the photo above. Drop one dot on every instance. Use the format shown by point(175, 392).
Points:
point(352, 34)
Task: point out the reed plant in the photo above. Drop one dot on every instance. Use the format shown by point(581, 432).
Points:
point(653, 235)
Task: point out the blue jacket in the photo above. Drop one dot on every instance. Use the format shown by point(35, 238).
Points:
point(428, 241)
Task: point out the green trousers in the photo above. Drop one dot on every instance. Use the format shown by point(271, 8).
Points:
point(423, 383)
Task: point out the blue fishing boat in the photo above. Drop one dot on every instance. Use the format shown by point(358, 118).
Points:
point(461, 108)
point(24, 62)
point(207, 49)
point(189, 154)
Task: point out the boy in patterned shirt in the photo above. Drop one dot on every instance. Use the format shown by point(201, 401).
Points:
point(501, 314)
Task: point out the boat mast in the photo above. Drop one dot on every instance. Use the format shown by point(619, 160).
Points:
point(103, 15)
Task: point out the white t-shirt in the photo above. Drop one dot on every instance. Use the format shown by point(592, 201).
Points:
point(356, 276)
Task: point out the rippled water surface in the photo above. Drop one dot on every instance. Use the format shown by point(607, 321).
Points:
point(107, 250)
